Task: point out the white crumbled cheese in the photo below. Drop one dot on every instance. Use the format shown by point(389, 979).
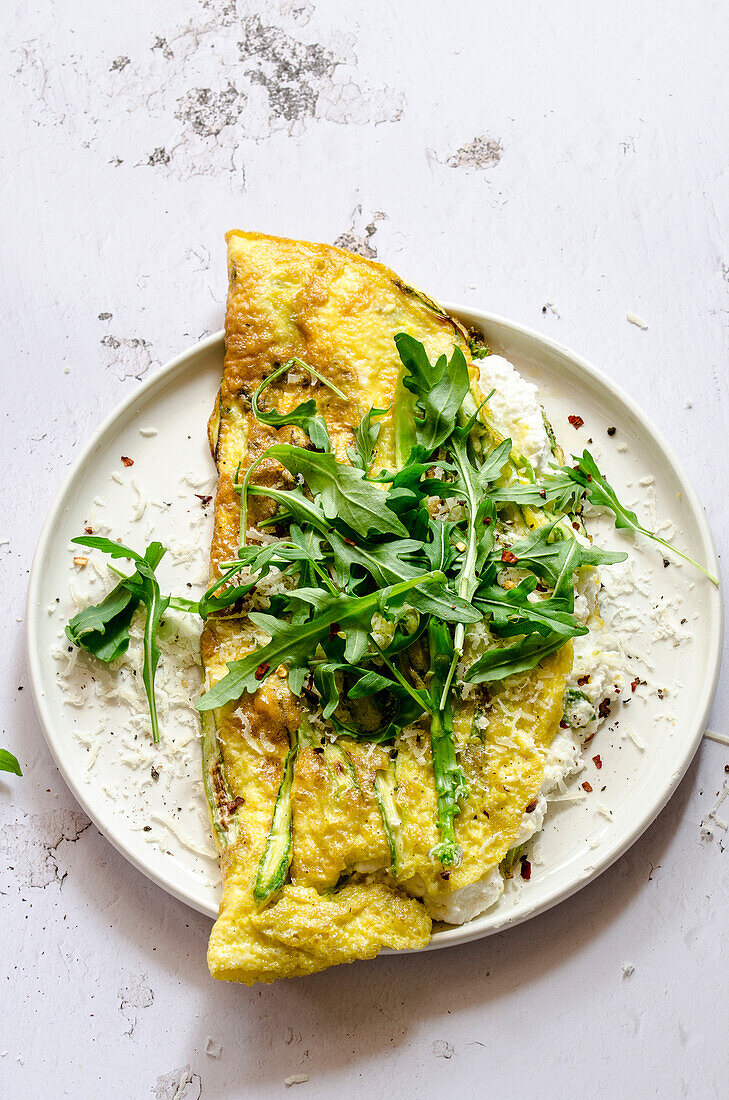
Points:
point(465, 904)
point(516, 409)
point(637, 321)
point(140, 504)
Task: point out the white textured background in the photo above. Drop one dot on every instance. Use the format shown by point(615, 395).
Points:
point(503, 155)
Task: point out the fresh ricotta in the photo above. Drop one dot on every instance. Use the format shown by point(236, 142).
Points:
point(516, 409)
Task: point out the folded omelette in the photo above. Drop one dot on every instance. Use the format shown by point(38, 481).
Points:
point(330, 842)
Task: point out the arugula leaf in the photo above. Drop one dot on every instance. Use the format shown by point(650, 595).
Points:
point(497, 664)
point(365, 440)
point(342, 489)
point(387, 565)
point(144, 586)
point(554, 557)
point(450, 779)
point(559, 490)
point(439, 389)
point(473, 481)
point(9, 763)
point(103, 629)
point(305, 415)
point(602, 495)
point(512, 612)
point(296, 506)
point(295, 644)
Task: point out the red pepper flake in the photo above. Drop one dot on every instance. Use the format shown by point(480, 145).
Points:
point(575, 524)
point(597, 761)
point(334, 630)
point(127, 461)
point(526, 869)
point(562, 724)
point(531, 807)
point(611, 431)
point(587, 787)
point(582, 680)
point(261, 670)
point(576, 421)
point(543, 494)
point(90, 531)
point(507, 556)
point(233, 806)
point(487, 521)
point(636, 683)
point(203, 498)
point(349, 542)
point(604, 709)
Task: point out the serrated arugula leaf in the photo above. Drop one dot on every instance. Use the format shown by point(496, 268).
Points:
point(296, 506)
point(103, 629)
point(365, 439)
point(343, 491)
point(522, 656)
point(560, 492)
point(144, 587)
point(389, 563)
point(439, 390)
point(305, 415)
point(554, 556)
point(9, 763)
point(511, 612)
point(601, 494)
point(473, 481)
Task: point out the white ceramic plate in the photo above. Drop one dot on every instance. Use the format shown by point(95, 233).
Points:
point(160, 824)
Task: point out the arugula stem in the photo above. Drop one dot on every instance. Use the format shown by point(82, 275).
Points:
point(419, 699)
point(468, 567)
point(282, 370)
point(242, 489)
point(674, 549)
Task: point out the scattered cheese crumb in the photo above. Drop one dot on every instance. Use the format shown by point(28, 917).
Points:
point(213, 1049)
point(147, 432)
point(297, 1079)
point(635, 320)
point(628, 969)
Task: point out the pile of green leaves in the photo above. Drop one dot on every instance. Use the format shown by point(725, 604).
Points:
point(418, 554)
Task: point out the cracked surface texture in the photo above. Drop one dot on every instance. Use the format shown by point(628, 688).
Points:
point(573, 155)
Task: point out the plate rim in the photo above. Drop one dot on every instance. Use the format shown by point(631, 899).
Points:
point(608, 852)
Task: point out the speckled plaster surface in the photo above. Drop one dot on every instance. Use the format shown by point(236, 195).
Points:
point(562, 164)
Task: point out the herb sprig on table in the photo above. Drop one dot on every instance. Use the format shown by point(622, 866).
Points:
point(387, 571)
